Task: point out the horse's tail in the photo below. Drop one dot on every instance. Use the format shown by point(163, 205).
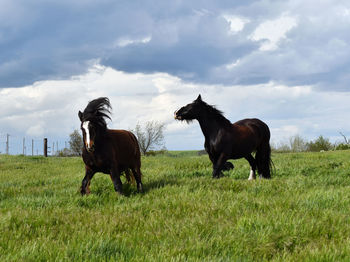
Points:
point(129, 176)
point(136, 161)
point(263, 156)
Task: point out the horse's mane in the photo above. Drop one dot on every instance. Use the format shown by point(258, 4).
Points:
point(216, 114)
point(97, 111)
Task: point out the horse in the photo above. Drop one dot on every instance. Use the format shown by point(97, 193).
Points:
point(224, 140)
point(106, 150)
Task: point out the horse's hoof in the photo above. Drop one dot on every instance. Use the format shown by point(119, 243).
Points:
point(140, 189)
point(82, 191)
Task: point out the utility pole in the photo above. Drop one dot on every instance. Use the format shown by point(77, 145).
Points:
point(32, 147)
point(53, 148)
point(24, 145)
point(7, 143)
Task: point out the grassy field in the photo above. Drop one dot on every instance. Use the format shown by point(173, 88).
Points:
point(302, 214)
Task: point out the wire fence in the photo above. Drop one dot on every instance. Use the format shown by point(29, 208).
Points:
point(15, 145)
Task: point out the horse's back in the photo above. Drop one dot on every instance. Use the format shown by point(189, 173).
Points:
point(254, 125)
point(122, 135)
point(125, 145)
point(250, 121)
point(250, 133)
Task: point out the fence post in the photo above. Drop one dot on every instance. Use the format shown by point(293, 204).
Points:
point(45, 147)
point(7, 144)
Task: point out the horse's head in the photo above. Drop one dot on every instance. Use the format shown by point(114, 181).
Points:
point(93, 123)
point(190, 111)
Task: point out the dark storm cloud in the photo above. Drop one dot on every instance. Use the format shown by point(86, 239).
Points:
point(42, 40)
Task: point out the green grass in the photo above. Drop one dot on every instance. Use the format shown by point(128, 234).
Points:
point(302, 214)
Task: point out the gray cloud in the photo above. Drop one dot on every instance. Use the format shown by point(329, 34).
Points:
point(42, 40)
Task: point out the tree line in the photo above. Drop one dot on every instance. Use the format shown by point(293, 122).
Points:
point(298, 144)
point(151, 137)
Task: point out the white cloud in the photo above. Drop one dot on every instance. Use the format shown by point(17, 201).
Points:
point(49, 108)
point(125, 41)
point(273, 31)
point(236, 23)
point(283, 133)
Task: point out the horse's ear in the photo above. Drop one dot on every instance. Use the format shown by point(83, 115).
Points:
point(199, 98)
point(80, 114)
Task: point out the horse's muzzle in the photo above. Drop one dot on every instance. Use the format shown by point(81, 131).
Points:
point(90, 149)
point(176, 116)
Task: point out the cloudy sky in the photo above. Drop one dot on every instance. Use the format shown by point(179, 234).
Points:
point(285, 62)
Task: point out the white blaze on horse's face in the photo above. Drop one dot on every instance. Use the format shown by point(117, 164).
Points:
point(87, 134)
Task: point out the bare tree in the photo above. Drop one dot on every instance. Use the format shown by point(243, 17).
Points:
point(149, 136)
point(76, 143)
point(297, 144)
point(345, 139)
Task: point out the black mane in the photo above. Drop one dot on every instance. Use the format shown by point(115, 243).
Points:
point(216, 114)
point(97, 111)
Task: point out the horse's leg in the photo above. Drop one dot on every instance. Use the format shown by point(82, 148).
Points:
point(252, 164)
point(127, 175)
point(218, 165)
point(115, 176)
point(228, 166)
point(89, 173)
point(137, 174)
point(213, 159)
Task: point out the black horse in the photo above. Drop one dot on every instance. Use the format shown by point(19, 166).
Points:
point(105, 150)
point(224, 140)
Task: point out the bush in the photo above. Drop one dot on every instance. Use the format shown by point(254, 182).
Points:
point(156, 152)
point(342, 146)
point(319, 144)
point(65, 153)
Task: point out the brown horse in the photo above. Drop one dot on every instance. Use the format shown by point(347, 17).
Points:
point(105, 150)
point(224, 140)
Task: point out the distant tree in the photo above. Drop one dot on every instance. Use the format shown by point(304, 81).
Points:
point(342, 146)
point(150, 135)
point(280, 147)
point(76, 143)
point(319, 144)
point(65, 152)
point(345, 139)
point(297, 144)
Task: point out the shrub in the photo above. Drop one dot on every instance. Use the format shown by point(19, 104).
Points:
point(319, 144)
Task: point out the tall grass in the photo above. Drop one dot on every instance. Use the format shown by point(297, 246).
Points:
point(303, 213)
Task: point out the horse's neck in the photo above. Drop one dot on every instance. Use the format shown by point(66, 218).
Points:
point(101, 139)
point(210, 127)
